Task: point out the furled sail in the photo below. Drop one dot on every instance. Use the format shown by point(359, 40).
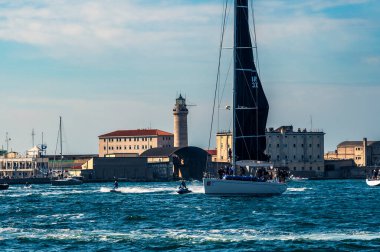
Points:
point(251, 105)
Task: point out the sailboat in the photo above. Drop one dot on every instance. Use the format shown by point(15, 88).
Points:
point(68, 180)
point(250, 113)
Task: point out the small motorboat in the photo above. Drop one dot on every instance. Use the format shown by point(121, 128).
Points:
point(183, 190)
point(373, 182)
point(4, 186)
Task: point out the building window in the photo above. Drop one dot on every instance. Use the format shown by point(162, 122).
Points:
point(130, 147)
point(301, 145)
point(285, 145)
point(286, 157)
point(269, 145)
point(104, 140)
point(319, 168)
point(294, 168)
point(104, 148)
point(311, 168)
point(294, 157)
point(303, 168)
point(318, 145)
point(310, 157)
point(278, 145)
point(278, 157)
point(294, 145)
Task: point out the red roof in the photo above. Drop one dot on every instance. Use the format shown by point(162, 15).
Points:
point(136, 133)
point(211, 152)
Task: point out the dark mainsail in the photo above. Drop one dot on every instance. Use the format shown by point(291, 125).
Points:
point(251, 105)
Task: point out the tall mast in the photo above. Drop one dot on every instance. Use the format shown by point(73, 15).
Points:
point(60, 141)
point(234, 91)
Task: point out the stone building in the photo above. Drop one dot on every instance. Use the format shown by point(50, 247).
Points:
point(180, 113)
point(223, 147)
point(33, 164)
point(364, 153)
point(124, 143)
point(299, 150)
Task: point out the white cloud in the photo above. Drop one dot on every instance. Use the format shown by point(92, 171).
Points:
point(97, 26)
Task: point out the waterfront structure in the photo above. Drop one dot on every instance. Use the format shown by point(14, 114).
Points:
point(33, 164)
point(184, 162)
point(180, 113)
point(223, 147)
point(152, 165)
point(128, 143)
point(364, 153)
point(299, 150)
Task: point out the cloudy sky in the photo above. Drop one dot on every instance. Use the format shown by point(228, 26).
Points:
point(117, 64)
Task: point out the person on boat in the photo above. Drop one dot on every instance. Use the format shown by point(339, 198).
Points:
point(115, 185)
point(220, 172)
point(375, 173)
point(242, 171)
point(183, 185)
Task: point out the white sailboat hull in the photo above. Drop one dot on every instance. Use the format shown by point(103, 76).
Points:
point(371, 182)
point(243, 188)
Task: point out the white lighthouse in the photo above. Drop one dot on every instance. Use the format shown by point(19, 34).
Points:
point(180, 112)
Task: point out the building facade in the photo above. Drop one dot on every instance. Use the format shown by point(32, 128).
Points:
point(133, 142)
point(180, 113)
point(223, 147)
point(364, 153)
point(299, 150)
point(32, 165)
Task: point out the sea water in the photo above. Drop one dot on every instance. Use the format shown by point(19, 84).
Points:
point(339, 215)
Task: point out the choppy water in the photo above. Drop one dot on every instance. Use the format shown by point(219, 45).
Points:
point(311, 215)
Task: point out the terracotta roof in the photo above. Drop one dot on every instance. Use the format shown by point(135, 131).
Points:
point(135, 133)
point(211, 152)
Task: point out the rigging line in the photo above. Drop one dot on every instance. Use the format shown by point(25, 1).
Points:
point(258, 74)
point(254, 36)
point(218, 71)
point(56, 147)
point(245, 143)
point(249, 88)
point(225, 83)
point(225, 16)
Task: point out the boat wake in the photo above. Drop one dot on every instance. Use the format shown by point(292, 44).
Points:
point(139, 189)
point(298, 189)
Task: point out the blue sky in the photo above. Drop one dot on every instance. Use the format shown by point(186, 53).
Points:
point(108, 65)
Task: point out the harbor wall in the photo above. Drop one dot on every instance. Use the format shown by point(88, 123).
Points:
point(125, 169)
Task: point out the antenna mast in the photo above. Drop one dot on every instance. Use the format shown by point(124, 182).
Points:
point(33, 134)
